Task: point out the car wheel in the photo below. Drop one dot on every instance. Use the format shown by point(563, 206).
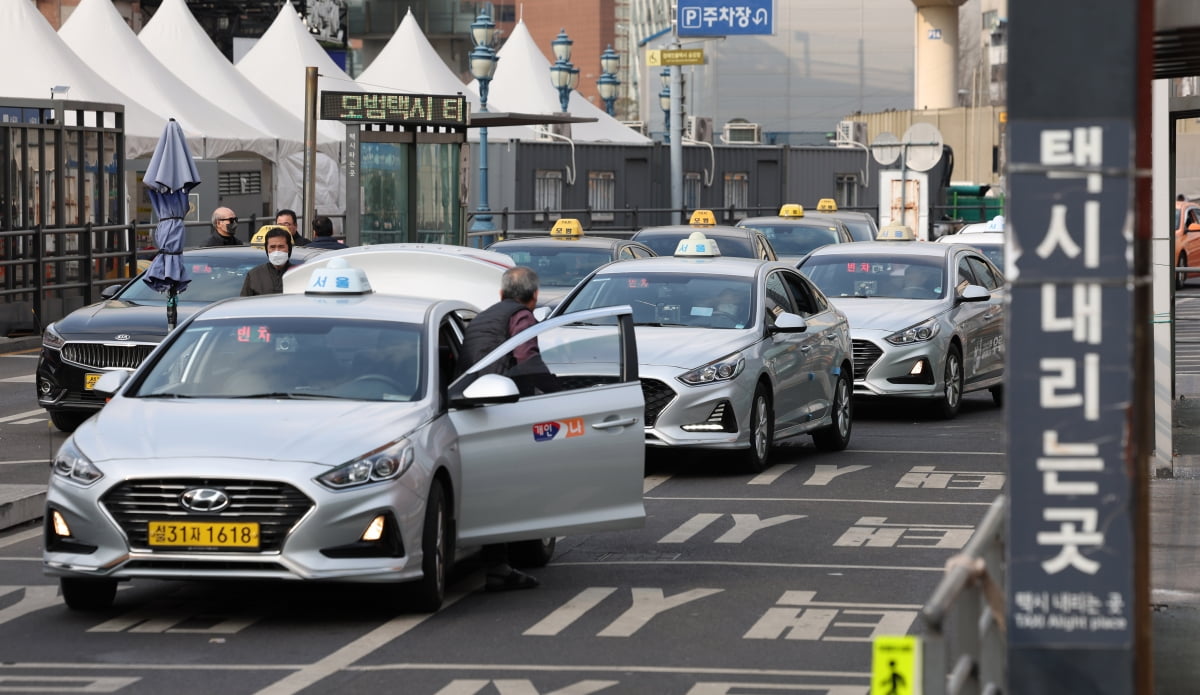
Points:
point(535, 553)
point(952, 386)
point(435, 552)
point(67, 421)
point(836, 436)
point(87, 594)
point(1181, 277)
point(762, 431)
point(997, 395)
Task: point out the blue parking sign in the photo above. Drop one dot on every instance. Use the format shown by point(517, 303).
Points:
point(724, 17)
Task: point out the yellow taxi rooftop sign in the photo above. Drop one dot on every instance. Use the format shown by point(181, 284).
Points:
point(703, 218)
point(260, 237)
point(827, 205)
point(567, 228)
point(697, 246)
point(791, 210)
point(338, 277)
point(896, 232)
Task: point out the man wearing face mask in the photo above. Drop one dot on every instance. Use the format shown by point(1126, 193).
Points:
point(268, 277)
point(224, 222)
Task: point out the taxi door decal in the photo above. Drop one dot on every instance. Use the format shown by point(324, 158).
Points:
point(569, 427)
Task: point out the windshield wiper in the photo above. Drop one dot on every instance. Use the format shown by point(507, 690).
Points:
point(164, 395)
point(286, 394)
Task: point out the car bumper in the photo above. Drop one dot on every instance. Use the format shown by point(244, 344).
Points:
point(321, 542)
point(678, 415)
point(883, 369)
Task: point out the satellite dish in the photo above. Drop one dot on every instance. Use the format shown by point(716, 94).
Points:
point(924, 143)
point(885, 149)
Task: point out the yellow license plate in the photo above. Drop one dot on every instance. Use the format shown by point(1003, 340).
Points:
point(203, 534)
point(89, 381)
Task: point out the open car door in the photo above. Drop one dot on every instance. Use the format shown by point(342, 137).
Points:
point(568, 459)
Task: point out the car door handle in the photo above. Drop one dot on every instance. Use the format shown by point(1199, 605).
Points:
point(609, 424)
point(805, 348)
point(831, 336)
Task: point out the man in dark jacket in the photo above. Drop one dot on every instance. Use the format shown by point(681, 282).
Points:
point(491, 327)
point(268, 277)
point(323, 235)
point(287, 218)
point(224, 222)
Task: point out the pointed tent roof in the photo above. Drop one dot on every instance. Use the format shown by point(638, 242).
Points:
point(98, 34)
point(409, 63)
point(287, 48)
point(522, 83)
point(178, 41)
point(49, 61)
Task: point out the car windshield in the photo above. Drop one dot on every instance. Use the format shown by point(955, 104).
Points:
point(671, 299)
point(271, 357)
point(849, 275)
point(559, 265)
point(664, 243)
point(861, 230)
point(798, 239)
point(213, 278)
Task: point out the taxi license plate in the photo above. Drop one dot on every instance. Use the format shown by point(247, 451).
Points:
point(89, 381)
point(203, 534)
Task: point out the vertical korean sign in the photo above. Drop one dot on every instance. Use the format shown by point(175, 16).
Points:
point(1070, 351)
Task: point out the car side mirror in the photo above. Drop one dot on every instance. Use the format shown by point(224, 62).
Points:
point(485, 390)
point(111, 382)
point(1194, 227)
point(541, 313)
point(108, 292)
point(974, 293)
point(789, 323)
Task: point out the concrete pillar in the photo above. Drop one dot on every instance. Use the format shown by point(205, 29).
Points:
point(936, 73)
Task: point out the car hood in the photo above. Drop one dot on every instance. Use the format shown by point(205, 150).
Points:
point(886, 314)
point(322, 431)
point(686, 348)
point(106, 320)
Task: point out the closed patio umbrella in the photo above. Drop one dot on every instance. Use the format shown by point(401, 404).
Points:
point(168, 178)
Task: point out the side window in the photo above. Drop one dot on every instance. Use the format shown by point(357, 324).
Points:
point(625, 253)
point(984, 273)
point(808, 301)
point(965, 276)
point(639, 252)
point(449, 352)
point(778, 300)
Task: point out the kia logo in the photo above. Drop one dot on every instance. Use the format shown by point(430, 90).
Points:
point(204, 499)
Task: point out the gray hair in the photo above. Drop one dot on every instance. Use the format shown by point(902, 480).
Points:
point(217, 215)
point(519, 284)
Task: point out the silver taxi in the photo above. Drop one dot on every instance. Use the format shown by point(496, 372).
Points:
point(735, 353)
point(328, 435)
point(927, 318)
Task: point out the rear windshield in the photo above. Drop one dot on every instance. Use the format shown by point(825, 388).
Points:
point(557, 266)
point(664, 243)
point(798, 239)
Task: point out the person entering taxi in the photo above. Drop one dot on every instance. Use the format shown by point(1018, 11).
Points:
point(268, 277)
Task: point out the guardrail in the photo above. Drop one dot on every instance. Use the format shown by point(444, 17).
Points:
point(964, 645)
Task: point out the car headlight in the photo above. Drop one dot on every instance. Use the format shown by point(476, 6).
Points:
point(52, 339)
point(723, 369)
point(385, 463)
point(919, 333)
point(70, 463)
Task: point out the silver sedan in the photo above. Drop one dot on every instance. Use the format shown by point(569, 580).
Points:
point(734, 353)
point(927, 318)
point(324, 436)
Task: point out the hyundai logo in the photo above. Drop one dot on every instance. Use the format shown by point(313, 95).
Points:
point(204, 499)
point(123, 336)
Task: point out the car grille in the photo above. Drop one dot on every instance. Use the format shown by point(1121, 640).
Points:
point(275, 506)
point(865, 354)
point(657, 395)
point(102, 356)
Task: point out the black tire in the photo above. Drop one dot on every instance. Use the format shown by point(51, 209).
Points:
point(68, 421)
point(950, 401)
point(87, 594)
point(762, 431)
point(535, 553)
point(430, 590)
point(836, 436)
point(1181, 277)
point(997, 395)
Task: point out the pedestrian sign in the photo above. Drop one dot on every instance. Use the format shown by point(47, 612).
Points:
point(896, 666)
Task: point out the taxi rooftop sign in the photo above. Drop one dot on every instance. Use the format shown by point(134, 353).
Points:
point(724, 17)
point(407, 109)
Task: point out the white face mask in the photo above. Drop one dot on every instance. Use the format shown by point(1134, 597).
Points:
point(278, 257)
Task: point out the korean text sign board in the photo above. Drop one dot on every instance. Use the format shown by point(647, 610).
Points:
point(408, 109)
point(724, 17)
point(1069, 385)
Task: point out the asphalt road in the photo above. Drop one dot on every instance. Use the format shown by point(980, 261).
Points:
point(737, 584)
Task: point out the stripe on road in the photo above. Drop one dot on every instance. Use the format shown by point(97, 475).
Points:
point(26, 379)
point(24, 415)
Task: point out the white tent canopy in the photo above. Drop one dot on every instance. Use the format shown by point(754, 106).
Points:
point(522, 84)
point(46, 61)
point(98, 34)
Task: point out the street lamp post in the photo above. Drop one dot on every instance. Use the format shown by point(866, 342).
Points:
point(483, 60)
point(664, 101)
point(608, 83)
point(563, 74)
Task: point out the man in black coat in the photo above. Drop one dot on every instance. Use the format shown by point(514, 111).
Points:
point(323, 235)
point(224, 222)
point(268, 277)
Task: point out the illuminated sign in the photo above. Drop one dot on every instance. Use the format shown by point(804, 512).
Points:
point(407, 109)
